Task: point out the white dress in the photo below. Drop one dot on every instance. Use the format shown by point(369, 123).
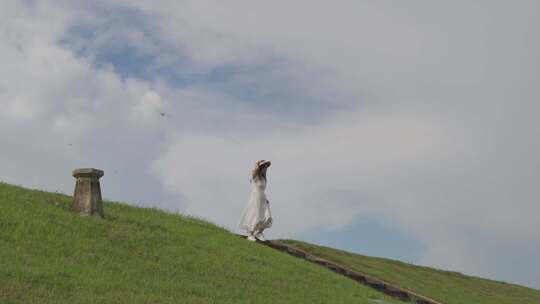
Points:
point(256, 217)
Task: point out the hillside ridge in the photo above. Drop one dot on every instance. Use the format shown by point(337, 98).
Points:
point(362, 278)
point(141, 255)
point(144, 255)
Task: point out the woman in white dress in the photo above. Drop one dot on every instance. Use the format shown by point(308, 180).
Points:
point(257, 217)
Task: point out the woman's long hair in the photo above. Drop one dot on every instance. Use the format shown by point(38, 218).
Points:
point(262, 173)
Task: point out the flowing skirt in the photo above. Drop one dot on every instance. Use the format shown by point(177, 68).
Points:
point(256, 217)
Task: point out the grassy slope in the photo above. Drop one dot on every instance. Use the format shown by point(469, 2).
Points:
point(136, 255)
point(445, 286)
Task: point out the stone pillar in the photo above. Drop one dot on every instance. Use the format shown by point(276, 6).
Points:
point(87, 197)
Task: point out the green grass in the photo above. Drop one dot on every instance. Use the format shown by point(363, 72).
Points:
point(138, 255)
point(445, 286)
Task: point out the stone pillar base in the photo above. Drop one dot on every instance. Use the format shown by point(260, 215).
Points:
point(87, 197)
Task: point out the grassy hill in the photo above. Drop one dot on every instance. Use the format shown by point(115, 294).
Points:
point(445, 286)
point(141, 255)
point(137, 255)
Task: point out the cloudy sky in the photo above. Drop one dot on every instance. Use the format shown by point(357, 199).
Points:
point(403, 130)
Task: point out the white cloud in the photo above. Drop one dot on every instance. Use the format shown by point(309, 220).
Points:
point(19, 109)
point(149, 105)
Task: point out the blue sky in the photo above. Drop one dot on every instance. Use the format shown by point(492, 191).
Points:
point(406, 131)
